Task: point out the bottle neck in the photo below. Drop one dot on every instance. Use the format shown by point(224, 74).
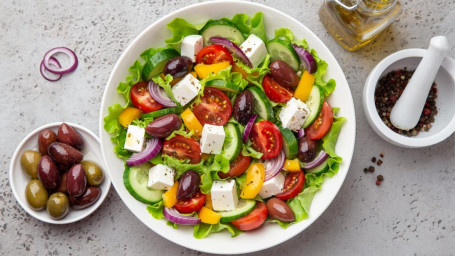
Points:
point(376, 6)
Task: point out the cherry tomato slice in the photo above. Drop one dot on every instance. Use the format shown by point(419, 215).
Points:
point(274, 91)
point(322, 124)
point(183, 148)
point(213, 54)
point(141, 98)
point(214, 108)
point(193, 204)
point(237, 167)
point(293, 185)
point(266, 138)
point(254, 219)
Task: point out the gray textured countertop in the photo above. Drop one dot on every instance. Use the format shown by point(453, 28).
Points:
point(411, 213)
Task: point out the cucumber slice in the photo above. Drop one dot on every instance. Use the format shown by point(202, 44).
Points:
point(323, 167)
point(135, 179)
point(162, 112)
point(262, 103)
point(222, 28)
point(244, 207)
point(290, 144)
point(155, 65)
point(282, 50)
point(223, 85)
point(233, 144)
point(314, 104)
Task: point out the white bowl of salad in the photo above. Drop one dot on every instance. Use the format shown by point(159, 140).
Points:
point(227, 127)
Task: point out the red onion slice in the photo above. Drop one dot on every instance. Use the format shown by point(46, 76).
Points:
point(307, 59)
point(174, 216)
point(248, 127)
point(49, 75)
point(231, 47)
point(274, 165)
point(160, 95)
point(60, 70)
point(322, 156)
point(152, 148)
point(301, 133)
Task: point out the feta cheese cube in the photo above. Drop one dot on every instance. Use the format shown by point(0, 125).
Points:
point(224, 195)
point(186, 89)
point(212, 139)
point(294, 114)
point(191, 45)
point(161, 177)
point(272, 187)
point(254, 48)
point(135, 137)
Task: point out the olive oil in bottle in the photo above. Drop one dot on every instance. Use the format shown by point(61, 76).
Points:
point(355, 23)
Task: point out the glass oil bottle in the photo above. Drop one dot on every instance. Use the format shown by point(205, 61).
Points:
point(355, 23)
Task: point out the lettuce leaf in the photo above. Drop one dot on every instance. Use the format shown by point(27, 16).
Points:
point(118, 132)
point(248, 26)
point(327, 86)
point(156, 210)
point(166, 85)
point(300, 204)
point(181, 28)
point(247, 150)
point(328, 144)
point(255, 75)
point(257, 26)
point(203, 230)
point(218, 164)
point(134, 77)
point(182, 166)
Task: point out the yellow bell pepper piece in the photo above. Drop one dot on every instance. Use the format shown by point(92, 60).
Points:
point(208, 201)
point(204, 70)
point(170, 196)
point(254, 180)
point(292, 165)
point(305, 85)
point(128, 115)
point(208, 216)
point(191, 121)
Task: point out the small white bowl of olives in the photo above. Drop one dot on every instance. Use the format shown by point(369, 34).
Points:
point(57, 173)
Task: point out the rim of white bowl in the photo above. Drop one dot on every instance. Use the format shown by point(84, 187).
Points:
point(375, 121)
point(34, 213)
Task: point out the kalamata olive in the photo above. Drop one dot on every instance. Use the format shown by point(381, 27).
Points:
point(76, 181)
point(29, 162)
point(66, 134)
point(178, 66)
point(58, 206)
point(280, 210)
point(36, 195)
point(163, 126)
point(188, 185)
point(93, 172)
point(62, 188)
point(64, 155)
point(85, 200)
point(48, 173)
point(243, 107)
point(45, 138)
point(283, 74)
point(307, 149)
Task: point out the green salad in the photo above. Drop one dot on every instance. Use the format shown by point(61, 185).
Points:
point(225, 128)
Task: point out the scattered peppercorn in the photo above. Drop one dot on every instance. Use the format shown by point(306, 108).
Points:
point(379, 162)
point(389, 90)
point(380, 178)
point(371, 168)
point(378, 182)
point(373, 159)
point(365, 170)
point(382, 154)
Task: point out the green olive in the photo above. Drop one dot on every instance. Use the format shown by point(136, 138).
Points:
point(36, 195)
point(29, 162)
point(58, 205)
point(93, 172)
